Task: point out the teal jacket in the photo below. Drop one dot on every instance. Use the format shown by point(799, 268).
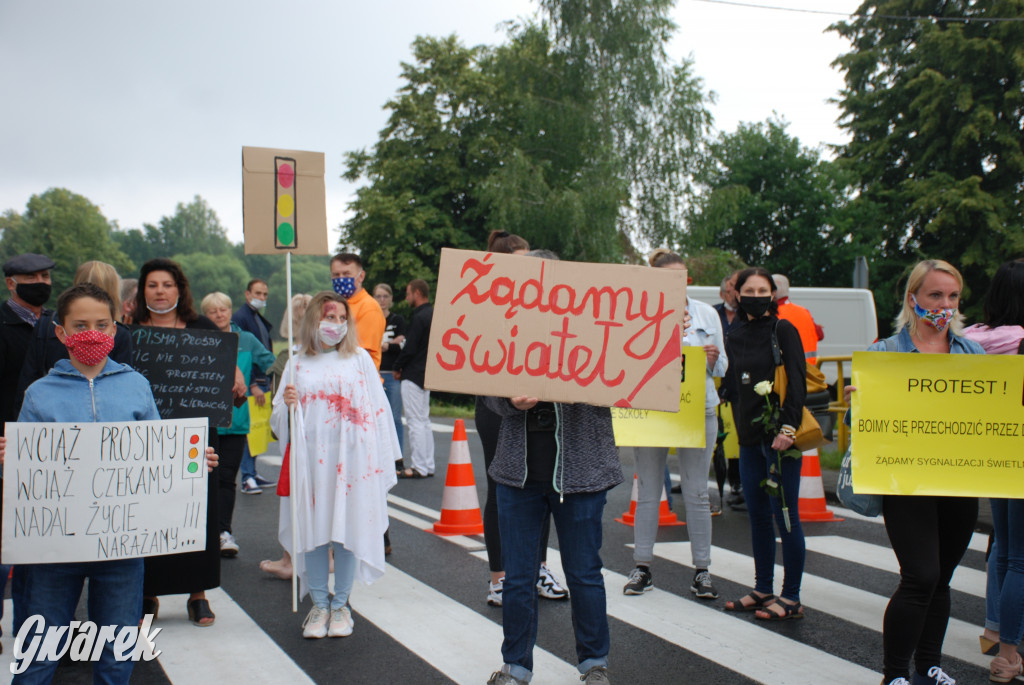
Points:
point(250, 351)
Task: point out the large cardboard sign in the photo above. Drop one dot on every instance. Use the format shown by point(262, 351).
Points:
point(100, 491)
point(284, 206)
point(190, 371)
point(938, 424)
point(684, 428)
point(604, 334)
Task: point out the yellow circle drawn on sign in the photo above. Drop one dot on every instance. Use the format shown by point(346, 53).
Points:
point(285, 205)
point(193, 453)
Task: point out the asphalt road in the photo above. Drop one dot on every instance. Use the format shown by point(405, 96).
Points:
point(426, 620)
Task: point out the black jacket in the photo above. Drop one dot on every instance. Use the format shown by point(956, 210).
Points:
point(750, 352)
point(45, 350)
point(245, 318)
point(412, 362)
point(15, 335)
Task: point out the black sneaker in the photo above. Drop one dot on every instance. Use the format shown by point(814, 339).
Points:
point(702, 587)
point(640, 581)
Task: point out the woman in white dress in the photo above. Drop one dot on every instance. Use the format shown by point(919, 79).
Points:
point(344, 447)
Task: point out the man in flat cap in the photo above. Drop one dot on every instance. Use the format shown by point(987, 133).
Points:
point(28, 279)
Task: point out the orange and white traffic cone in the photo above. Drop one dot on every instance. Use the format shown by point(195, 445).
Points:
point(666, 517)
point(460, 507)
point(812, 491)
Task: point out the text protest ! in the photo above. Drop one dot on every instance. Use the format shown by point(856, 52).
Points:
point(926, 424)
point(101, 491)
point(603, 334)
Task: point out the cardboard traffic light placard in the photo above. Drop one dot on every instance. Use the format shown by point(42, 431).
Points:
point(284, 206)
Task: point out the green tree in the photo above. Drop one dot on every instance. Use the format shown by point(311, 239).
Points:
point(209, 273)
point(194, 227)
point(64, 226)
point(935, 108)
point(773, 203)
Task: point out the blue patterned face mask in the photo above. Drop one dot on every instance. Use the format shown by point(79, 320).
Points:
point(344, 286)
point(936, 318)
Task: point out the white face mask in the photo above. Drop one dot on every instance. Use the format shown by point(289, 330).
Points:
point(163, 311)
point(257, 303)
point(332, 333)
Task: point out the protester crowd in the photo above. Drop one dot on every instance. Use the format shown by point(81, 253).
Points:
point(337, 398)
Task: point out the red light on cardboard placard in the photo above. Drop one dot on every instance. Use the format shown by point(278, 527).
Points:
point(285, 236)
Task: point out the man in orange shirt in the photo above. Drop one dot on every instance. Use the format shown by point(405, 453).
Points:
point(347, 280)
point(810, 332)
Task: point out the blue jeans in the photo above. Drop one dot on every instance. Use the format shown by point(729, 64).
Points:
point(52, 591)
point(521, 516)
point(1008, 558)
point(754, 463)
point(393, 389)
point(317, 572)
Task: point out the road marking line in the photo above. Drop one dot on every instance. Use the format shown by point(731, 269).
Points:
point(452, 638)
point(427, 526)
point(836, 599)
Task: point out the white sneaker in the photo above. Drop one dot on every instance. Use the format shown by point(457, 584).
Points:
point(315, 625)
point(494, 592)
point(250, 487)
point(228, 545)
point(341, 623)
point(548, 586)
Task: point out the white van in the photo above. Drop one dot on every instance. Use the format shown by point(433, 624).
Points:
point(846, 314)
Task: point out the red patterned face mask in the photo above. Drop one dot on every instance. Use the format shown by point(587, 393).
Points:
point(89, 347)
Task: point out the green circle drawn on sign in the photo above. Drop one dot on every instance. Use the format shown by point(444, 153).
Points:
point(285, 233)
point(193, 467)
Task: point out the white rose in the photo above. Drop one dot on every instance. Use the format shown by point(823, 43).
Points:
point(763, 388)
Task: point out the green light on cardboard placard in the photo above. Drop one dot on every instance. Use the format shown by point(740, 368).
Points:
point(285, 233)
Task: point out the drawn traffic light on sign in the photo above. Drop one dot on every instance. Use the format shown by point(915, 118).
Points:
point(285, 206)
point(194, 463)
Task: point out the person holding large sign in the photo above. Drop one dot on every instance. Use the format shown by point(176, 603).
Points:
point(928, 533)
point(90, 387)
point(344, 447)
point(164, 300)
point(763, 443)
point(694, 462)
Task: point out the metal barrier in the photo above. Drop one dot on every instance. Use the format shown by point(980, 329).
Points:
point(838, 407)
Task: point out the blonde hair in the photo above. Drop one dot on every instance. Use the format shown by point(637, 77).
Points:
point(299, 304)
point(907, 318)
point(309, 331)
point(214, 299)
point(103, 275)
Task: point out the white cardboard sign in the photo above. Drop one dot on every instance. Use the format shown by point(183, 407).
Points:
point(100, 491)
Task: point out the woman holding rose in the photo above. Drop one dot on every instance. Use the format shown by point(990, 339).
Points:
point(765, 431)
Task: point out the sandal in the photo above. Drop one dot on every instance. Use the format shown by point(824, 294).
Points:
point(413, 473)
point(789, 611)
point(988, 647)
point(759, 602)
point(274, 568)
point(150, 605)
point(199, 609)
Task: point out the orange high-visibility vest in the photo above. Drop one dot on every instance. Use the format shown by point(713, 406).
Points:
point(804, 323)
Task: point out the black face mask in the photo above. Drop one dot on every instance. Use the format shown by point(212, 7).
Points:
point(35, 294)
point(755, 306)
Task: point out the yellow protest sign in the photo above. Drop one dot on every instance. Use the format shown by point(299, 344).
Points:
point(259, 426)
point(685, 428)
point(938, 424)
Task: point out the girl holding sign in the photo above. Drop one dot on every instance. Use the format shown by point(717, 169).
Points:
point(749, 348)
point(344, 444)
point(928, 533)
point(1003, 333)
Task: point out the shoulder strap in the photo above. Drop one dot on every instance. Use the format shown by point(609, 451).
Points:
point(776, 351)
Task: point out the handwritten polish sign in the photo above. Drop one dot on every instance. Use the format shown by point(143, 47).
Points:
point(190, 371)
point(604, 334)
point(100, 491)
point(938, 424)
point(684, 428)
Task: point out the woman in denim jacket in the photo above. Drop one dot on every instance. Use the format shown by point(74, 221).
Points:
point(928, 533)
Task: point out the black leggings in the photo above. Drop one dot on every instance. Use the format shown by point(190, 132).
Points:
point(929, 535)
point(232, 447)
point(488, 425)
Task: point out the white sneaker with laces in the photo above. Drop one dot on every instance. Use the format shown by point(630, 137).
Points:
point(494, 592)
point(228, 545)
point(315, 625)
point(548, 586)
point(341, 623)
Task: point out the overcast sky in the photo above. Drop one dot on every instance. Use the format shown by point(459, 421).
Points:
point(139, 105)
